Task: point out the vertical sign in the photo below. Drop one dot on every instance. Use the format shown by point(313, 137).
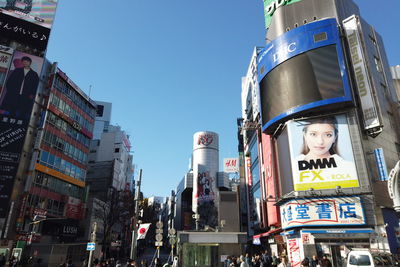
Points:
point(381, 164)
point(365, 91)
point(16, 102)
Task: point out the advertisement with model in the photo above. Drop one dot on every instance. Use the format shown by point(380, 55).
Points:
point(16, 102)
point(321, 153)
point(306, 68)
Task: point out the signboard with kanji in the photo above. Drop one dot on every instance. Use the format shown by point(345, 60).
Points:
point(327, 211)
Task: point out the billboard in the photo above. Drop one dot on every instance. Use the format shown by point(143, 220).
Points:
point(321, 153)
point(40, 12)
point(231, 165)
point(370, 111)
point(16, 102)
point(302, 70)
point(270, 7)
point(324, 211)
point(23, 32)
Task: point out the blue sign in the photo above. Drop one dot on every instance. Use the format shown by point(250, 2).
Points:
point(302, 70)
point(91, 246)
point(381, 164)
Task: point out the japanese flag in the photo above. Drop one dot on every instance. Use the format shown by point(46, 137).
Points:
point(142, 231)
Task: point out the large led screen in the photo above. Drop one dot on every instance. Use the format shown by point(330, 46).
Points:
point(40, 12)
point(301, 71)
point(321, 153)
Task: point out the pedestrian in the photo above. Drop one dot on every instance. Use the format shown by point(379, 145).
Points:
point(228, 261)
point(266, 259)
point(118, 263)
point(325, 262)
point(248, 260)
point(158, 263)
point(305, 262)
point(2, 260)
point(96, 263)
point(243, 262)
point(283, 262)
point(144, 263)
point(314, 261)
point(13, 261)
point(69, 263)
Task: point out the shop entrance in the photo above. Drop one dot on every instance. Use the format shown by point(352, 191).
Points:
point(199, 255)
point(337, 249)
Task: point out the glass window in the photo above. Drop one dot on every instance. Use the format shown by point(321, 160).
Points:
point(44, 156)
point(255, 172)
point(360, 260)
point(254, 150)
point(51, 159)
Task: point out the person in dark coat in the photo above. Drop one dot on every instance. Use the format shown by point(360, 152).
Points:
point(314, 261)
point(325, 262)
point(21, 88)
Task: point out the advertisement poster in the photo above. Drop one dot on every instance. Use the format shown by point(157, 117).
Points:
point(40, 12)
point(16, 102)
point(321, 153)
point(322, 212)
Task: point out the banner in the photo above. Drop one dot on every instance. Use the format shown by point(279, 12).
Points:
point(321, 153)
point(371, 114)
point(327, 211)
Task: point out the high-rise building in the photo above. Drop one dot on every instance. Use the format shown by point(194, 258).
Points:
point(326, 135)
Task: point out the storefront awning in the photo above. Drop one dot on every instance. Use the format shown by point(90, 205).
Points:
point(270, 232)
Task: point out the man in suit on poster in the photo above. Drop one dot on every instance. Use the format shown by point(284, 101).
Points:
point(20, 88)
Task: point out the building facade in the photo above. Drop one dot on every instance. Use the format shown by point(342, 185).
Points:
point(327, 132)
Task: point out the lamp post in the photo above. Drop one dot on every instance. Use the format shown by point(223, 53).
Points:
point(135, 221)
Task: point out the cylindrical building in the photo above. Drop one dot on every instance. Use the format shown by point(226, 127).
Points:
point(205, 169)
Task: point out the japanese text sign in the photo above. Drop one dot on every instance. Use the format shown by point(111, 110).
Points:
point(322, 212)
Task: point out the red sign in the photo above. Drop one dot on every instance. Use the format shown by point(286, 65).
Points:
point(270, 181)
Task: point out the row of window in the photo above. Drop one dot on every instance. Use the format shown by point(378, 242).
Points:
point(43, 180)
point(82, 103)
point(52, 206)
point(68, 149)
point(70, 112)
point(61, 165)
point(67, 129)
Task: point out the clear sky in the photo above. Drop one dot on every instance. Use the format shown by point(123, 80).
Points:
point(172, 68)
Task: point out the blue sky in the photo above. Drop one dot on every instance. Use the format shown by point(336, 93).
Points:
point(172, 68)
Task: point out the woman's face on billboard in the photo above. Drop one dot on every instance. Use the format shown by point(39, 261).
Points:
point(319, 138)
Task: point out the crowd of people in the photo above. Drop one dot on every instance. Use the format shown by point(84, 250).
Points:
point(266, 260)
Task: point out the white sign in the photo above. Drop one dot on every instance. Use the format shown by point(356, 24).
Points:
point(322, 211)
point(231, 165)
point(369, 108)
point(91, 246)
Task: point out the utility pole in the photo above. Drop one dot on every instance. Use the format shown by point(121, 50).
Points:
point(92, 240)
point(135, 221)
